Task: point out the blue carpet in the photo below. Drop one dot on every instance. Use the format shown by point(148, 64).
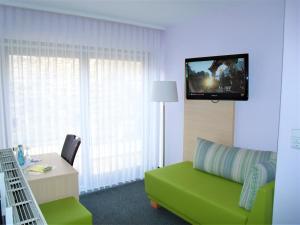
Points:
point(126, 204)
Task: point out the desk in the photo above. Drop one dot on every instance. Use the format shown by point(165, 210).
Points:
point(60, 182)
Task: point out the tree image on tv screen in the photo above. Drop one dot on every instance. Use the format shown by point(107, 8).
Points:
point(217, 76)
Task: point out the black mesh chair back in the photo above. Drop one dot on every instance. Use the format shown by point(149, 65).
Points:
point(70, 148)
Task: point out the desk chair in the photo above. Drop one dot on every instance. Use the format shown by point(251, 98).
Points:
point(70, 148)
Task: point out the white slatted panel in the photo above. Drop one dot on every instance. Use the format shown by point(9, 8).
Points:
point(19, 196)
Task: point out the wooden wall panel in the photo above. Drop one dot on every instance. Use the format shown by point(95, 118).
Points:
point(212, 121)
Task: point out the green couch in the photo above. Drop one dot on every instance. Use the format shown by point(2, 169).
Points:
point(202, 198)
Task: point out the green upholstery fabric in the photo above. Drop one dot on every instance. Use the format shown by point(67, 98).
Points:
point(66, 211)
point(259, 175)
point(229, 162)
point(198, 197)
point(262, 211)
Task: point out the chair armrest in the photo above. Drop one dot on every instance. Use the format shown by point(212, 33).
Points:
point(261, 213)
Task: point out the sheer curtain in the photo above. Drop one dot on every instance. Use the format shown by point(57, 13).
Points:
point(65, 74)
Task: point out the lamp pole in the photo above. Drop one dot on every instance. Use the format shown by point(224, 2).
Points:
point(164, 150)
point(164, 91)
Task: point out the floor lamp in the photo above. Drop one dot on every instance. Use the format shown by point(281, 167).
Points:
point(164, 91)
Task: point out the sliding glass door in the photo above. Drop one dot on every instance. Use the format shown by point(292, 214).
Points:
point(99, 94)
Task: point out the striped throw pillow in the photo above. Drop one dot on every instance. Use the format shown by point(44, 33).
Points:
point(228, 162)
point(259, 175)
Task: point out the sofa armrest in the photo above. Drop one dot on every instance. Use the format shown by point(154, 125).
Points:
point(262, 210)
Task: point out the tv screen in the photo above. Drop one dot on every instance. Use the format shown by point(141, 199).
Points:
point(217, 77)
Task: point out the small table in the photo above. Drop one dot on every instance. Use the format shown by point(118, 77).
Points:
point(60, 182)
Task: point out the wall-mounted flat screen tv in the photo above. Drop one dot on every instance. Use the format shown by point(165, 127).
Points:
point(217, 77)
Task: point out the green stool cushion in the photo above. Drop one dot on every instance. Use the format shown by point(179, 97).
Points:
point(66, 211)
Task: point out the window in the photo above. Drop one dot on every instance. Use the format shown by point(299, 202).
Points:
point(115, 112)
point(45, 102)
point(98, 94)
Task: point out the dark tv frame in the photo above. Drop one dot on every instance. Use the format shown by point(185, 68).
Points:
point(219, 96)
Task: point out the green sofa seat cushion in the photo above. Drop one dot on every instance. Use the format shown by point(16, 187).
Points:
point(206, 198)
point(66, 211)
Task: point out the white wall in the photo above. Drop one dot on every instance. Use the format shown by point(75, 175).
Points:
point(231, 27)
point(287, 191)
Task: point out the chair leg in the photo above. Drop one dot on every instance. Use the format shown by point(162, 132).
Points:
point(154, 205)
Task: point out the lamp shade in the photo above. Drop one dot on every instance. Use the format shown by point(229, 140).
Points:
point(164, 91)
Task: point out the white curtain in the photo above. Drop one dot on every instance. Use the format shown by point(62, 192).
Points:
point(65, 74)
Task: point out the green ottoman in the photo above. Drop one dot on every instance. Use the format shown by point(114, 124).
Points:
point(66, 211)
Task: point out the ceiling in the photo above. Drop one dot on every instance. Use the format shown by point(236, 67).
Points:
point(150, 13)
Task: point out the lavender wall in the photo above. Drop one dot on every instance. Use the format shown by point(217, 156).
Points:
point(287, 198)
point(220, 28)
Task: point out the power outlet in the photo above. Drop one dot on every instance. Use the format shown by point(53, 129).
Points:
point(295, 138)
